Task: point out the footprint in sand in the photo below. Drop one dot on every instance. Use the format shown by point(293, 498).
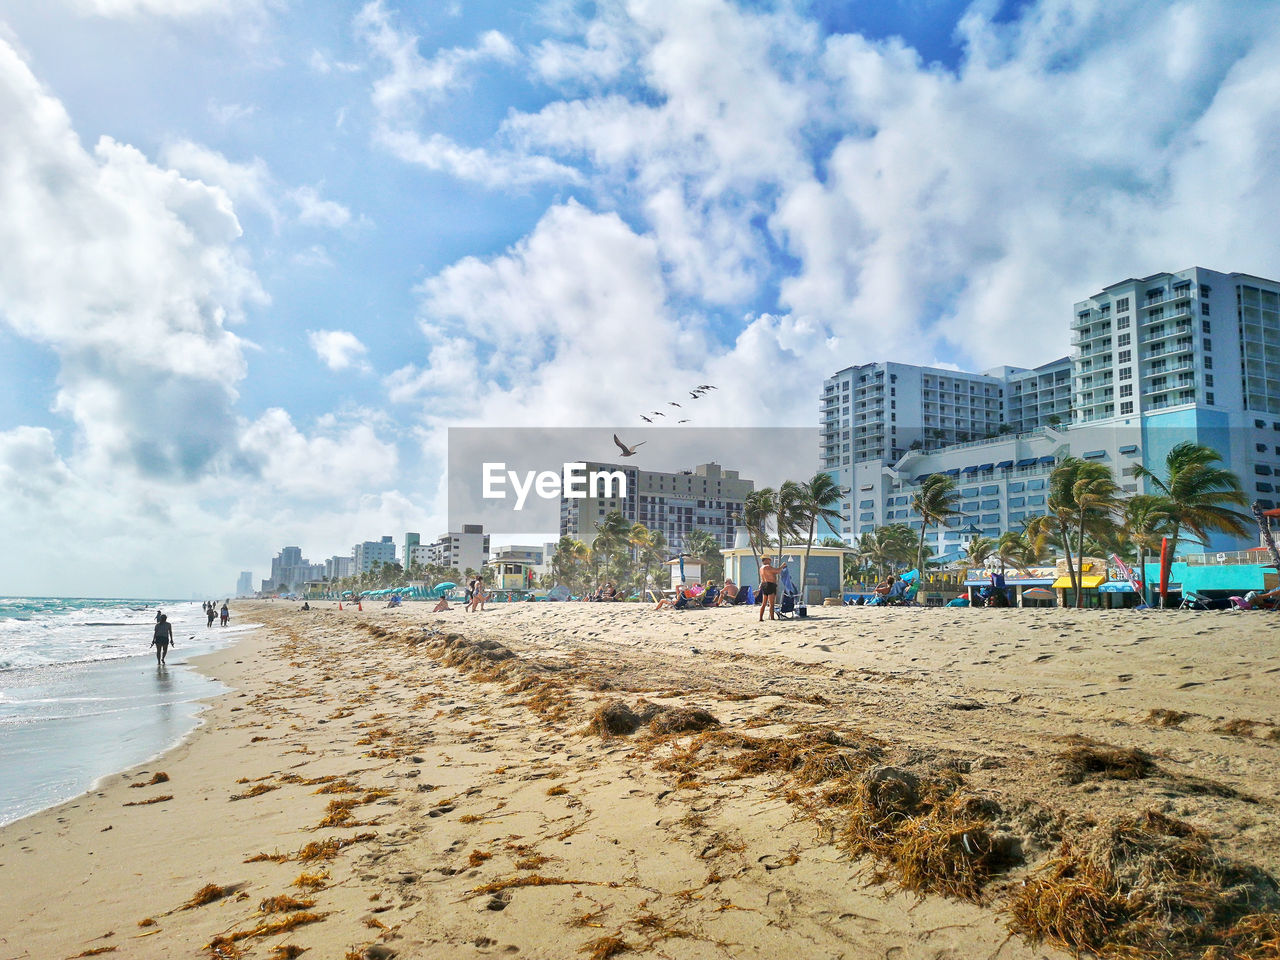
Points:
point(1043, 657)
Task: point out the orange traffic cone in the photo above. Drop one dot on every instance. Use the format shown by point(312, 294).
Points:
point(339, 604)
point(360, 606)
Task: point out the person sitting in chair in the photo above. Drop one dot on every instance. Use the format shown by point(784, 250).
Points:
point(728, 595)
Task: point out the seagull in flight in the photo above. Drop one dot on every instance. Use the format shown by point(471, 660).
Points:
point(682, 421)
point(707, 386)
point(628, 451)
point(672, 403)
point(695, 394)
point(645, 419)
point(658, 413)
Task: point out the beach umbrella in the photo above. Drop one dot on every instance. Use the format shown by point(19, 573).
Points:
point(1039, 593)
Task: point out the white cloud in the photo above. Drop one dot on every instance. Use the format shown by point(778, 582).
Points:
point(413, 82)
point(245, 183)
point(133, 277)
point(229, 113)
point(337, 459)
point(339, 349)
point(170, 8)
point(252, 184)
point(314, 210)
point(323, 64)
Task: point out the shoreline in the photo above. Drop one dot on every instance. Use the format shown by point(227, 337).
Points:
point(71, 725)
point(456, 803)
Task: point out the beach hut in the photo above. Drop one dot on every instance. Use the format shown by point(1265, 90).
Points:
point(684, 570)
point(511, 572)
point(823, 578)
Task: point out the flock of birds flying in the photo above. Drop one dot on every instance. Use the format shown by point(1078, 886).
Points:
point(696, 394)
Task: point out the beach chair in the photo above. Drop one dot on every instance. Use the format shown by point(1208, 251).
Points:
point(746, 597)
point(789, 595)
point(903, 598)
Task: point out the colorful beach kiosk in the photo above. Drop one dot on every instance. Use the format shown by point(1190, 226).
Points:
point(824, 576)
point(511, 574)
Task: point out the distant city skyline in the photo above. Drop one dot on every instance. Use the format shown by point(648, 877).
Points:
point(260, 255)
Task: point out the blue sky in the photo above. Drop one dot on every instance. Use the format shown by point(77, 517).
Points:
point(261, 254)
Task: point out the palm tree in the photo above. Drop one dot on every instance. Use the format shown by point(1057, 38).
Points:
point(1197, 491)
point(1145, 519)
point(756, 509)
point(787, 513)
point(891, 546)
point(1062, 511)
point(935, 502)
point(1096, 497)
point(818, 499)
point(704, 547)
point(611, 535)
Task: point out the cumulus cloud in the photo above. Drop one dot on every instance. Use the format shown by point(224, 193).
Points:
point(134, 277)
point(170, 8)
point(414, 82)
point(338, 349)
point(314, 210)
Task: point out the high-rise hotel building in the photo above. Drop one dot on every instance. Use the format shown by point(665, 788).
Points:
point(1192, 355)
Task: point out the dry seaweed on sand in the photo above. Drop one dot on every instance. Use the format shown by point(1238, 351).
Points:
point(162, 798)
point(928, 837)
point(614, 719)
point(534, 880)
point(1150, 886)
point(287, 951)
point(257, 790)
point(605, 947)
point(284, 903)
point(311, 881)
point(1162, 717)
point(207, 894)
point(94, 952)
point(1087, 758)
point(682, 720)
point(158, 777)
point(268, 928)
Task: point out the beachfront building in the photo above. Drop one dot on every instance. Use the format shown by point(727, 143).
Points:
point(289, 570)
point(244, 585)
point(461, 550)
point(1192, 355)
point(411, 540)
point(704, 498)
point(338, 567)
point(535, 556)
point(824, 574)
point(365, 555)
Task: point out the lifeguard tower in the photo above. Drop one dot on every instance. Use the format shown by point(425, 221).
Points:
point(692, 571)
point(511, 573)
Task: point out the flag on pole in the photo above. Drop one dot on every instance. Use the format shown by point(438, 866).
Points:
point(1127, 573)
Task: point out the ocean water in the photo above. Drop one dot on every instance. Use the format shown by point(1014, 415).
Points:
point(81, 695)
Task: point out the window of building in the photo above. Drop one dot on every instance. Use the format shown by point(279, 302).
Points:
point(1035, 485)
point(990, 504)
point(1208, 345)
point(1263, 487)
point(1208, 363)
point(1262, 470)
point(1122, 305)
point(1260, 447)
point(1204, 289)
point(1126, 406)
point(1035, 501)
point(1205, 326)
point(1126, 373)
point(1126, 389)
point(1260, 424)
point(1208, 399)
point(1123, 340)
point(1017, 487)
point(1122, 322)
point(1208, 379)
point(1017, 502)
point(1124, 356)
point(1204, 309)
point(990, 489)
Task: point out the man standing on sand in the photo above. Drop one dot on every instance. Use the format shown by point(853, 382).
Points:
point(226, 614)
point(162, 637)
point(768, 587)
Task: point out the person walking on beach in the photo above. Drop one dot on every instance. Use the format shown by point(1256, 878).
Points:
point(768, 587)
point(211, 612)
point(226, 614)
point(162, 637)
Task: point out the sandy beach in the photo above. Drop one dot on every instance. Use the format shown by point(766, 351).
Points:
point(558, 780)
